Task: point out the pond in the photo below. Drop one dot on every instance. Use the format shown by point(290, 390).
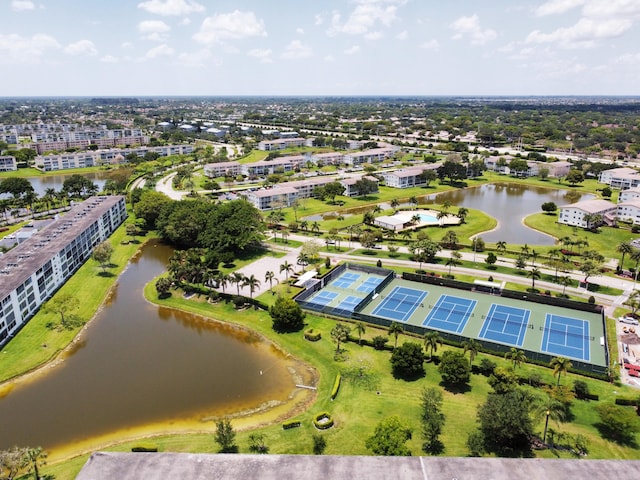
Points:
point(41, 183)
point(140, 368)
point(509, 203)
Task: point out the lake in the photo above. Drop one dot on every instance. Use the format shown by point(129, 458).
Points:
point(140, 368)
point(509, 203)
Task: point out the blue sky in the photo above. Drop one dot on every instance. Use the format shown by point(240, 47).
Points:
point(328, 47)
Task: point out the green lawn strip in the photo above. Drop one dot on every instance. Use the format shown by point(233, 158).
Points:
point(36, 344)
point(277, 242)
point(588, 186)
point(604, 242)
point(253, 156)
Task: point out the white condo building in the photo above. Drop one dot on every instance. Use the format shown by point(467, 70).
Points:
point(31, 272)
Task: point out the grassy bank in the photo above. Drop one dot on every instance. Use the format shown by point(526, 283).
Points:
point(37, 343)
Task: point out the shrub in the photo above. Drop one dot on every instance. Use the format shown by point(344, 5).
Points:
point(591, 299)
point(336, 387)
point(238, 301)
point(291, 424)
point(627, 402)
point(312, 335)
point(145, 448)
point(323, 420)
point(379, 342)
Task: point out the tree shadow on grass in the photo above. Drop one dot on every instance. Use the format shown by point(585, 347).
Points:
point(621, 437)
point(106, 274)
point(455, 387)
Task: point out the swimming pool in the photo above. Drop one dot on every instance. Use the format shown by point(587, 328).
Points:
point(426, 218)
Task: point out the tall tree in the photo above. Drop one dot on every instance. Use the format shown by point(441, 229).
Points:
point(534, 274)
point(270, 276)
point(549, 408)
point(102, 253)
point(560, 365)
point(360, 329)
point(431, 341)
point(339, 334)
point(473, 347)
point(252, 282)
point(395, 329)
point(432, 420)
point(624, 248)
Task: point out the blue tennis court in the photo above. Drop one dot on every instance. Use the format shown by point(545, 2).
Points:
point(450, 314)
point(349, 303)
point(400, 303)
point(323, 298)
point(369, 284)
point(345, 280)
point(505, 324)
point(566, 336)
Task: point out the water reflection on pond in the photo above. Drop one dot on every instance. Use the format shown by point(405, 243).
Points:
point(509, 203)
point(139, 365)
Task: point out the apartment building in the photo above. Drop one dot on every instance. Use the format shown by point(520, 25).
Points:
point(8, 163)
point(221, 169)
point(575, 213)
point(407, 177)
point(623, 178)
point(374, 155)
point(31, 272)
point(281, 143)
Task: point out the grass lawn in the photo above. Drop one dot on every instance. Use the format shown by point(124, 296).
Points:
point(34, 172)
point(604, 241)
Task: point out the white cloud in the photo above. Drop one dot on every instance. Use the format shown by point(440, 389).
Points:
point(198, 59)
point(583, 34)
point(109, 59)
point(26, 49)
point(628, 59)
point(163, 50)
point(300, 31)
point(470, 27)
point(155, 30)
point(296, 50)
point(352, 50)
point(262, 54)
point(367, 15)
point(82, 47)
point(22, 5)
point(230, 26)
point(599, 20)
point(329, 58)
point(171, 7)
point(373, 36)
point(554, 7)
point(433, 45)
point(403, 35)
point(319, 19)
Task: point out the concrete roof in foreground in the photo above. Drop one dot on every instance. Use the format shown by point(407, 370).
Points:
point(156, 466)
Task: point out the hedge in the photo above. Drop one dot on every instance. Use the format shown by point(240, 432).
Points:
point(336, 387)
point(628, 402)
point(323, 425)
point(290, 424)
point(147, 448)
point(312, 335)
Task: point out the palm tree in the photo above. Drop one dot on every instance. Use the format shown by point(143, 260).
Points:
point(395, 203)
point(37, 458)
point(546, 408)
point(450, 239)
point(269, 276)
point(252, 282)
point(360, 329)
point(534, 274)
point(222, 279)
point(406, 235)
point(303, 261)
point(565, 280)
point(413, 201)
point(625, 248)
point(304, 225)
point(560, 365)
point(431, 341)
point(473, 347)
point(287, 268)
point(237, 278)
point(501, 247)
point(315, 227)
point(454, 260)
point(395, 329)
point(516, 356)
point(462, 213)
point(534, 255)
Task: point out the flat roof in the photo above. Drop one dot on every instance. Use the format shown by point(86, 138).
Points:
point(592, 206)
point(159, 466)
point(20, 262)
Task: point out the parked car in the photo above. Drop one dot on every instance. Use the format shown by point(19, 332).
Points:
point(629, 320)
